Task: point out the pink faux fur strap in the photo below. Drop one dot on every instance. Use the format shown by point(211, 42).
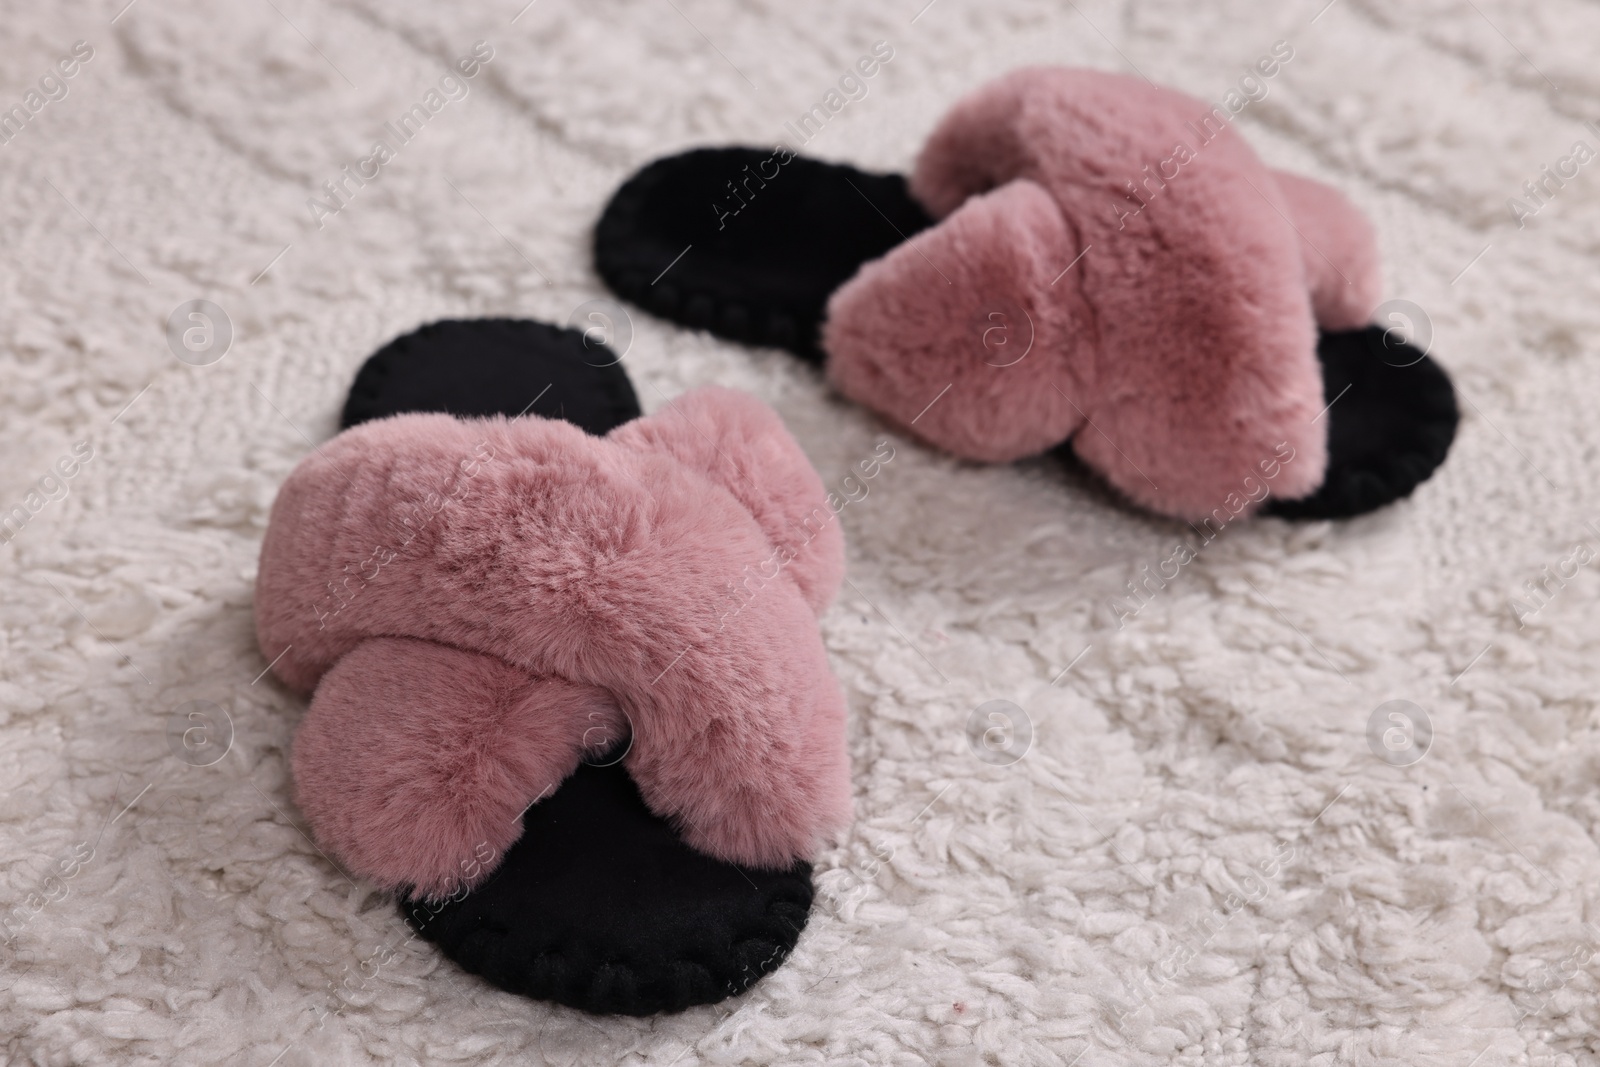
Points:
point(476, 603)
point(1115, 265)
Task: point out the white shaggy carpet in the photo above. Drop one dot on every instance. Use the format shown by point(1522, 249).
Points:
point(1090, 904)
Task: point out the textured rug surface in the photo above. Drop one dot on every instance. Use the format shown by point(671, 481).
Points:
point(1199, 832)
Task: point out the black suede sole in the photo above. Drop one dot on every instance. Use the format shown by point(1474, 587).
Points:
point(470, 367)
point(749, 243)
point(599, 905)
point(1392, 418)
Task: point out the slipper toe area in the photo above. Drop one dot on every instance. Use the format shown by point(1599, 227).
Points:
point(1392, 418)
point(601, 906)
point(415, 759)
point(748, 243)
point(479, 367)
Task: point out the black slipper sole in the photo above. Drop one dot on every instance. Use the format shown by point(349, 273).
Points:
point(749, 243)
point(764, 256)
point(475, 367)
point(1392, 417)
point(599, 905)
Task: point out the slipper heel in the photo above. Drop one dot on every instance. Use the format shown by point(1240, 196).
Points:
point(477, 367)
point(748, 243)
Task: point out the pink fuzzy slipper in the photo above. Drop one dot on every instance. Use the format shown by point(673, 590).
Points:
point(572, 682)
point(1078, 257)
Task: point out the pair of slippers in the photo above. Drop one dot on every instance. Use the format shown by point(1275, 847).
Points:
point(568, 697)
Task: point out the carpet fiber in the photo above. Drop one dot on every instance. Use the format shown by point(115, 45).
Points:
point(1218, 845)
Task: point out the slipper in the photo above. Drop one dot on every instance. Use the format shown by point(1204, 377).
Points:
point(569, 699)
point(1078, 257)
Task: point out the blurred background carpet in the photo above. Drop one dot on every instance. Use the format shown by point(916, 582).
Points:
point(1089, 903)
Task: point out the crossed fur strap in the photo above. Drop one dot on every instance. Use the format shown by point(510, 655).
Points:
point(1115, 265)
point(478, 603)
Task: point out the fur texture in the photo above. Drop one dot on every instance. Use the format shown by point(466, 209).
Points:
point(1339, 250)
point(1179, 351)
point(437, 750)
point(504, 586)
